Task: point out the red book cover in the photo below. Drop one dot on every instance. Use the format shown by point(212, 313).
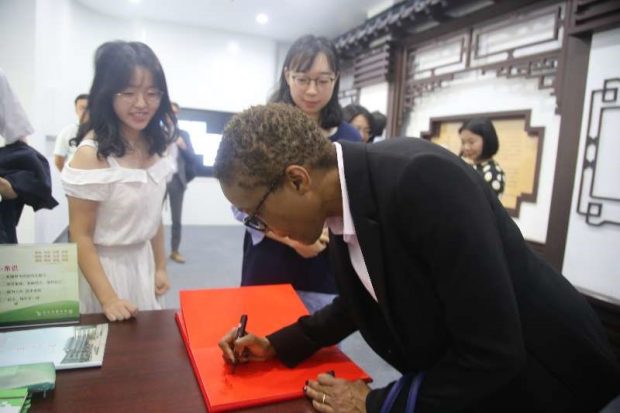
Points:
point(207, 315)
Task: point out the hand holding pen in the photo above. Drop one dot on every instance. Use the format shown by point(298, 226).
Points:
point(240, 333)
point(250, 347)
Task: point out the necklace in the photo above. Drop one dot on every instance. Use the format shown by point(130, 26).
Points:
point(136, 146)
point(137, 150)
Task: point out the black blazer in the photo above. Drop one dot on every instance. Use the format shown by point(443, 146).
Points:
point(29, 174)
point(460, 295)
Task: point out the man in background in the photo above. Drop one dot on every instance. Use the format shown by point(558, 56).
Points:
point(64, 150)
point(176, 187)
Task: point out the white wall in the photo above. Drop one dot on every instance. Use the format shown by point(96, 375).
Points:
point(17, 47)
point(204, 68)
point(47, 49)
point(476, 93)
point(375, 97)
point(591, 255)
point(204, 204)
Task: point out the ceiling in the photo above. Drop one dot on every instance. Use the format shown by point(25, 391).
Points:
point(288, 19)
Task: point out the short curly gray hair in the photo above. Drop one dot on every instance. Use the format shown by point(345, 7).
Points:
point(260, 142)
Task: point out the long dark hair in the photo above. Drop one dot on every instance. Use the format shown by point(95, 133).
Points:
point(484, 128)
point(115, 63)
point(353, 110)
point(299, 58)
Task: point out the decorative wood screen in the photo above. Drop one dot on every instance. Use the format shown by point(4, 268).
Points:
point(593, 15)
point(372, 67)
point(524, 45)
point(599, 190)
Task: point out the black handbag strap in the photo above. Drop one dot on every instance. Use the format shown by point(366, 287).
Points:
point(407, 380)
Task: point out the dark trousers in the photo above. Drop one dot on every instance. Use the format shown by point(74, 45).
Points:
point(175, 193)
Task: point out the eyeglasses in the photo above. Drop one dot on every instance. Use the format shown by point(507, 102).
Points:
point(252, 220)
point(151, 97)
point(322, 83)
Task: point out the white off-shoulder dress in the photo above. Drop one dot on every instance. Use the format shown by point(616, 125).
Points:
point(128, 217)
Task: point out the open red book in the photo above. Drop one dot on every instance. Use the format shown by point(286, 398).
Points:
point(207, 315)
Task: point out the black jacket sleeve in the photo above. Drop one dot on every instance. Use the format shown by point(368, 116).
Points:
point(326, 327)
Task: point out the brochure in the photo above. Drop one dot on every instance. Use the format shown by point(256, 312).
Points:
point(38, 284)
point(67, 347)
point(13, 400)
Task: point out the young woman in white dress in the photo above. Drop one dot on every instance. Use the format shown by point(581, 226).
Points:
point(116, 183)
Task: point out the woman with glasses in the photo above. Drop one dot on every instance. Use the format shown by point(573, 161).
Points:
point(116, 183)
point(309, 81)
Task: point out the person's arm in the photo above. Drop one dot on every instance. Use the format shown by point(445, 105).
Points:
point(181, 144)
point(59, 161)
point(82, 222)
point(294, 343)
point(162, 284)
point(448, 220)
point(327, 393)
point(62, 144)
point(328, 326)
point(184, 143)
point(6, 189)
point(306, 251)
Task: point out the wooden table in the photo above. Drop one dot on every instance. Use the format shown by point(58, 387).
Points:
point(145, 369)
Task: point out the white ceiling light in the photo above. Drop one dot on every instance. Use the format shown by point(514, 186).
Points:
point(262, 18)
point(134, 1)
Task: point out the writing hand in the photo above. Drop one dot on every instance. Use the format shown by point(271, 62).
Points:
point(330, 394)
point(246, 348)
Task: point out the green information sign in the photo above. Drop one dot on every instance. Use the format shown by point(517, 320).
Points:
point(38, 284)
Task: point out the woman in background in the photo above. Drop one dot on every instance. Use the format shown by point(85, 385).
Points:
point(116, 183)
point(478, 145)
point(309, 80)
point(361, 119)
point(379, 121)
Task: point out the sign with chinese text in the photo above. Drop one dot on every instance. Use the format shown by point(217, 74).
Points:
point(38, 284)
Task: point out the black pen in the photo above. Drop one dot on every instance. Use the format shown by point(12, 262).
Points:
point(240, 333)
